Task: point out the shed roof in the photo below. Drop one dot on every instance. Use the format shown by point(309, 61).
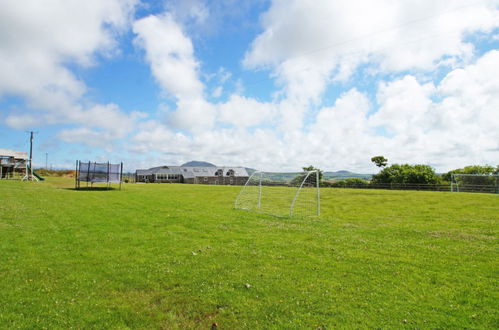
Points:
point(12, 153)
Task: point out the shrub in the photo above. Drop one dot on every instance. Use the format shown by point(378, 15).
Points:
point(405, 173)
point(472, 169)
point(350, 183)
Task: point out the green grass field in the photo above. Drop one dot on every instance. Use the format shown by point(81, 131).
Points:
point(179, 256)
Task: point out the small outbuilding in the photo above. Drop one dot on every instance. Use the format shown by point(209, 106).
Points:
point(13, 164)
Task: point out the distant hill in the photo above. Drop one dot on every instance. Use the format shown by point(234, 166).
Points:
point(250, 170)
point(198, 163)
point(340, 175)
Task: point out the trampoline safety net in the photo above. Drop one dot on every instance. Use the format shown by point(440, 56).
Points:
point(94, 172)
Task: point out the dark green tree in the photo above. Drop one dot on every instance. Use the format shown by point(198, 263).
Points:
point(406, 173)
point(311, 179)
point(380, 161)
point(474, 169)
point(311, 168)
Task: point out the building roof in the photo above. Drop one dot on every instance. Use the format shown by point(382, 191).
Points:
point(12, 153)
point(193, 171)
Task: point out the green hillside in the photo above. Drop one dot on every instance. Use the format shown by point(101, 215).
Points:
point(341, 175)
point(338, 175)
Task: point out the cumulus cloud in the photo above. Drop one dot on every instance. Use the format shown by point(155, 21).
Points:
point(228, 146)
point(39, 40)
point(444, 125)
point(170, 55)
point(87, 136)
point(405, 105)
point(322, 40)
point(22, 121)
point(241, 111)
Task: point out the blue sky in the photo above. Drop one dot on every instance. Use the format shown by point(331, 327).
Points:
point(273, 85)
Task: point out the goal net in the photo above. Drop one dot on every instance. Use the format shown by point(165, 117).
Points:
point(281, 194)
point(487, 183)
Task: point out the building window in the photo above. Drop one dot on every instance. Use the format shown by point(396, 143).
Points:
point(205, 179)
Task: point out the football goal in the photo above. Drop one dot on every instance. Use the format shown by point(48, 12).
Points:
point(281, 194)
point(487, 183)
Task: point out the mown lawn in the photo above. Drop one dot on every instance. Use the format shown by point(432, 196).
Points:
point(179, 256)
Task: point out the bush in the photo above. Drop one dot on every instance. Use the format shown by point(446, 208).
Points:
point(405, 173)
point(472, 169)
point(351, 183)
point(58, 173)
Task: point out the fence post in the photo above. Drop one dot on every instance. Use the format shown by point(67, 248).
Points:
point(260, 191)
point(318, 194)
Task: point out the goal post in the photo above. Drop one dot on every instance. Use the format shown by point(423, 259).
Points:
point(281, 193)
point(487, 183)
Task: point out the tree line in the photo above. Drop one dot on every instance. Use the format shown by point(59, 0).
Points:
point(412, 174)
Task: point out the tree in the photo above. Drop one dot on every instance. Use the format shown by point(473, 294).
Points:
point(472, 169)
point(311, 168)
point(311, 179)
point(380, 161)
point(406, 173)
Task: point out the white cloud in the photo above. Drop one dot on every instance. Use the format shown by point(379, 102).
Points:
point(22, 121)
point(38, 41)
point(195, 115)
point(38, 38)
point(170, 54)
point(241, 111)
point(405, 105)
point(217, 92)
point(108, 117)
point(193, 12)
point(86, 136)
point(322, 40)
point(447, 125)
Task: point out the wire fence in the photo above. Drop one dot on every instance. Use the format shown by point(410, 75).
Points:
point(478, 188)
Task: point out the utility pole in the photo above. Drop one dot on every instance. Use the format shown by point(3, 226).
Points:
point(29, 171)
point(46, 160)
point(31, 156)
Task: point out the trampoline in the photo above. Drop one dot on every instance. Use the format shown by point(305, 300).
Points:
point(93, 172)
